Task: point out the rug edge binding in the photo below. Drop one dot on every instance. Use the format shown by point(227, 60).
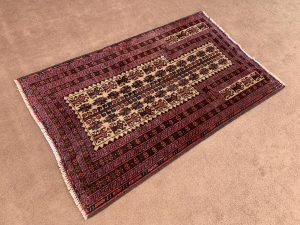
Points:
point(251, 57)
point(54, 150)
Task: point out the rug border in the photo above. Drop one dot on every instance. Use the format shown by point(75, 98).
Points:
point(251, 57)
point(56, 153)
point(53, 148)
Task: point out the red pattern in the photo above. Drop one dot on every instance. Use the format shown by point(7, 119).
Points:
point(98, 177)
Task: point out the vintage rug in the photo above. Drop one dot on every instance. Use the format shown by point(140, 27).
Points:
point(114, 116)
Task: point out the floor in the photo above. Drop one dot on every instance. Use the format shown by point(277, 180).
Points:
point(247, 173)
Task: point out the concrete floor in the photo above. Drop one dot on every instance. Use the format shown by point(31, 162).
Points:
point(247, 173)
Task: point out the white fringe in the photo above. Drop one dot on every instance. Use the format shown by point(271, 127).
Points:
point(54, 150)
point(242, 48)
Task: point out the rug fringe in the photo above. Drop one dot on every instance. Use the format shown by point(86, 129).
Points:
point(278, 79)
point(53, 148)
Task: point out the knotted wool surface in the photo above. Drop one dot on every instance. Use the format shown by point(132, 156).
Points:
point(114, 116)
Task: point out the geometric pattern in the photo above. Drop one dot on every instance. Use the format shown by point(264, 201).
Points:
point(192, 30)
point(116, 115)
point(241, 85)
point(114, 107)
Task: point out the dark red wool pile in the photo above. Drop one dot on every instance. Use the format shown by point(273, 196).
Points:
point(114, 116)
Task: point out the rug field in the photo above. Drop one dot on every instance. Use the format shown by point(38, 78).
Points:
point(115, 116)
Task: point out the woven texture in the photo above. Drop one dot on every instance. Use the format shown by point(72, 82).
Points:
point(114, 116)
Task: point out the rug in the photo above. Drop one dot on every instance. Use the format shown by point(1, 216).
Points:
point(115, 116)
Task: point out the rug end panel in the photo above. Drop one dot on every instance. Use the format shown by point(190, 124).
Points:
point(53, 148)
